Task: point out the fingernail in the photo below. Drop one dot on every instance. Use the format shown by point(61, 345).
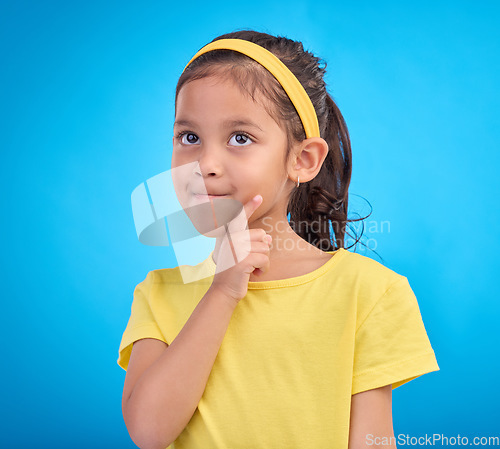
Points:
point(257, 197)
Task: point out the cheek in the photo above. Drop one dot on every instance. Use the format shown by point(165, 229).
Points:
point(179, 159)
point(175, 164)
point(252, 176)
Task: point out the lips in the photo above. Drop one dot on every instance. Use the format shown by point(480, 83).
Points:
point(204, 197)
point(209, 194)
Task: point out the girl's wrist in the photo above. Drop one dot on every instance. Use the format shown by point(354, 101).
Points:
point(219, 295)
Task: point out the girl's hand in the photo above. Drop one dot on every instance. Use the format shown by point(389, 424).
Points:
point(251, 248)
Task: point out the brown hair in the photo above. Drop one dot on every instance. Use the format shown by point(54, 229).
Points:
point(324, 199)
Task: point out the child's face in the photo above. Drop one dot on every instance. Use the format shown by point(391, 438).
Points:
point(239, 147)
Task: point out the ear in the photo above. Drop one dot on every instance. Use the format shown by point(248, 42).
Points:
point(309, 157)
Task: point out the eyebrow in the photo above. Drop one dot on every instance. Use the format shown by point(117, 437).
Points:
point(226, 124)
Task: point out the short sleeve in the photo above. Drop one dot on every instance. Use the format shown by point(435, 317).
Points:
point(391, 343)
point(141, 323)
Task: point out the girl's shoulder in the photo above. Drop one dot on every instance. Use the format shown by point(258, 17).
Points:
point(360, 265)
point(185, 273)
point(364, 276)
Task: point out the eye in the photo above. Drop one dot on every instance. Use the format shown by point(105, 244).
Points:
point(241, 139)
point(187, 138)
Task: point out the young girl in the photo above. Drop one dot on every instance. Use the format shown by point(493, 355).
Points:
point(298, 342)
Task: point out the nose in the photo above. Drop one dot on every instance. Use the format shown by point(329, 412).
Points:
point(210, 161)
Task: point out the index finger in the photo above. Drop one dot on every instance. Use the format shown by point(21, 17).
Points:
point(240, 222)
point(251, 206)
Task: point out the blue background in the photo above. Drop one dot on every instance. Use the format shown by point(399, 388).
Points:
point(87, 93)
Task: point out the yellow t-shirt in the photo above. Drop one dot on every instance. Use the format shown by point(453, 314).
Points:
point(294, 352)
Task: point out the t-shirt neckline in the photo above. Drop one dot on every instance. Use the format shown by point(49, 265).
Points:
point(293, 281)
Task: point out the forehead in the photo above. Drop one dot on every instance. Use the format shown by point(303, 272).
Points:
point(220, 95)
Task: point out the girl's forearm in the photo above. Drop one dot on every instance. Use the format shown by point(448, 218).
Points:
point(165, 397)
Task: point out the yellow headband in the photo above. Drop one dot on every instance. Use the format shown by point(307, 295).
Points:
point(281, 72)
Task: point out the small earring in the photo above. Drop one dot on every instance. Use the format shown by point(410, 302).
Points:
point(298, 183)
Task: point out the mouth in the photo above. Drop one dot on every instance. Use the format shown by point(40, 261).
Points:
point(207, 196)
